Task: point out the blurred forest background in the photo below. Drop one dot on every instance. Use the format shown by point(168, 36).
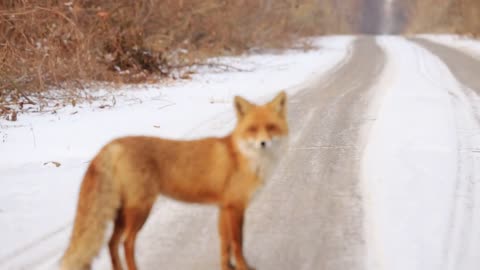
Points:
point(443, 16)
point(47, 44)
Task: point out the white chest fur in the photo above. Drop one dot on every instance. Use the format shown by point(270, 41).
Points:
point(263, 161)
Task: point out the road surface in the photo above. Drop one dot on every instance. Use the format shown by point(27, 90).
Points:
point(309, 216)
point(317, 211)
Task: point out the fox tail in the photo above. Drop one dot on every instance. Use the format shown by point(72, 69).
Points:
point(97, 205)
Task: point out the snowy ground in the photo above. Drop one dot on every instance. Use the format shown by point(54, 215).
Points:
point(38, 200)
point(420, 170)
point(420, 167)
point(463, 43)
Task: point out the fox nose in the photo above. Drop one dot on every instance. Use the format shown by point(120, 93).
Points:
point(263, 144)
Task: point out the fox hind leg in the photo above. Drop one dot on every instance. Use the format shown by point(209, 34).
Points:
point(134, 220)
point(113, 244)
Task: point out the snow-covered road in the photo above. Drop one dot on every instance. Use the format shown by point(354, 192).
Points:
point(390, 127)
point(418, 165)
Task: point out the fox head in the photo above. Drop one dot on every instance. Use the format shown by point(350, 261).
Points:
point(261, 129)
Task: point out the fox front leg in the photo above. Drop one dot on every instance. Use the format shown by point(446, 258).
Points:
point(235, 222)
point(225, 239)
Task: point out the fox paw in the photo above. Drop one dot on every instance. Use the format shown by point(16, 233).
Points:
point(228, 266)
point(247, 268)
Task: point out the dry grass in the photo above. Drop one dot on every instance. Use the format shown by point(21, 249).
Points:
point(469, 17)
point(428, 15)
point(445, 16)
point(47, 44)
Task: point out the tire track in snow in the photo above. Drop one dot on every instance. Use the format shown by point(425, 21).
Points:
point(465, 227)
point(409, 167)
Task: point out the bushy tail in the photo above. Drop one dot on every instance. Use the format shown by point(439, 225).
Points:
point(97, 205)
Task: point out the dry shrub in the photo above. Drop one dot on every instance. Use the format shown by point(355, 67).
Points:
point(47, 44)
point(428, 15)
point(469, 17)
point(445, 16)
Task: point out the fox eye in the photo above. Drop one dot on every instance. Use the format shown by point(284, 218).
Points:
point(252, 129)
point(271, 127)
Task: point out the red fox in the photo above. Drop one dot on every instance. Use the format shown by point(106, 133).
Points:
point(123, 180)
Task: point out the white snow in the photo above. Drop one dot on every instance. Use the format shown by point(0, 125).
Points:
point(38, 200)
point(414, 172)
point(464, 43)
point(419, 171)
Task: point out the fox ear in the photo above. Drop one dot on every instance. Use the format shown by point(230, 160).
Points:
point(242, 106)
point(279, 103)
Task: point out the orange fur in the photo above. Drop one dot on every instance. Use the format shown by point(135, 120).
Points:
point(125, 178)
